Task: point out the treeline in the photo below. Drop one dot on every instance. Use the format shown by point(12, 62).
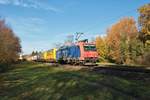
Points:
point(125, 43)
point(9, 46)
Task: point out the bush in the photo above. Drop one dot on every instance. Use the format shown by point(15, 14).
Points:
point(9, 46)
point(144, 59)
point(4, 67)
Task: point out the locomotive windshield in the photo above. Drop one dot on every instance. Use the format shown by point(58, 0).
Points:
point(90, 48)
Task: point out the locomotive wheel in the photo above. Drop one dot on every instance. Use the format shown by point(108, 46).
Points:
point(82, 63)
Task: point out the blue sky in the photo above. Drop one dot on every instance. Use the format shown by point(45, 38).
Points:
point(42, 23)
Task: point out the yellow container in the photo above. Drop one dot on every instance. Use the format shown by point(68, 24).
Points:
point(50, 55)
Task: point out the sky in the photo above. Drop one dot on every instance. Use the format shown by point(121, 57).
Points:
point(40, 24)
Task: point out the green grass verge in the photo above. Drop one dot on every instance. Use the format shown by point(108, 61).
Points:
point(36, 81)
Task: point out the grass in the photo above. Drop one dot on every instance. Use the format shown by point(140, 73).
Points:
point(36, 81)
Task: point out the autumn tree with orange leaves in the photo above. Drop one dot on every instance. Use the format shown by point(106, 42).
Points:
point(144, 31)
point(119, 40)
point(9, 45)
point(144, 23)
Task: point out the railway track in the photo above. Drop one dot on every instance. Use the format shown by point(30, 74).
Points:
point(124, 68)
point(125, 72)
point(121, 68)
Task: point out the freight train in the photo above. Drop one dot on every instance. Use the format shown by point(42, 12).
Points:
point(81, 52)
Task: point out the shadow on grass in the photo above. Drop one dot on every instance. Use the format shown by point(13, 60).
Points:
point(55, 84)
point(133, 73)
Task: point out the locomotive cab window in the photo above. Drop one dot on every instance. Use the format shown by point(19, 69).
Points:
point(90, 48)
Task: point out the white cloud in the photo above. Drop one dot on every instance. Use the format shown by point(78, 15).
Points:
point(30, 4)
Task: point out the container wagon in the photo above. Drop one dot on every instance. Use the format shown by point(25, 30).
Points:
point(50, 55)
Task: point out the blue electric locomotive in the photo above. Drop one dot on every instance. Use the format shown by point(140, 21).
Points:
point(68, 54)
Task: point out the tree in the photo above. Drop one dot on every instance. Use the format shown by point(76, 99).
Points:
point(101, 48)
point(34, 53)
point(144, 23)
point(118, 40)
point(144, 34)
point(9, 44)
